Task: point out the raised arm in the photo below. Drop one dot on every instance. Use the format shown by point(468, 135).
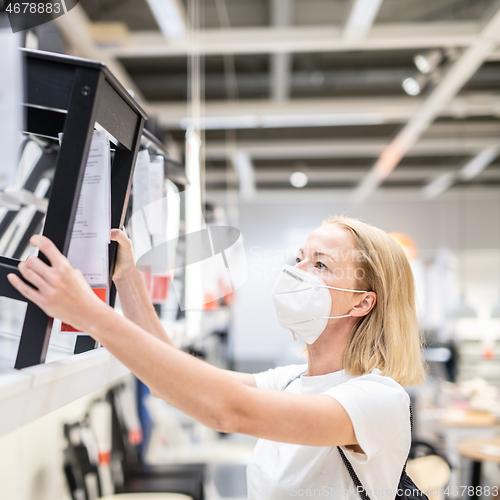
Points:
point(130, 285)
point(211, 396)
point(135, 301)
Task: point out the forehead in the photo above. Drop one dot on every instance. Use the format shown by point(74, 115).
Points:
point(329, 238)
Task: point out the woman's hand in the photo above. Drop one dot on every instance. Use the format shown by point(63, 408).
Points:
point(125, 260)
point(61, 291)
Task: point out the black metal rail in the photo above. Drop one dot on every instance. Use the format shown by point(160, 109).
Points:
point(70, 95)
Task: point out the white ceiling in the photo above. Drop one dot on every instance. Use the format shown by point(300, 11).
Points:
point(287, 83)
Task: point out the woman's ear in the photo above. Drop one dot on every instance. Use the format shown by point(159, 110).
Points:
point(365, 305)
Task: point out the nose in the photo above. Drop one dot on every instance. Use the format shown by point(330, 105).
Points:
point(302, 265)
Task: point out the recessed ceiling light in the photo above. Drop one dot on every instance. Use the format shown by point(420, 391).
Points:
point(298, 179)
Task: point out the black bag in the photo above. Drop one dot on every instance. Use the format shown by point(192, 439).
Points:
point(407, 490)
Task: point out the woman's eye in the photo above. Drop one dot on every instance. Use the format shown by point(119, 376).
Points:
point(322, 265)
point(297, 260)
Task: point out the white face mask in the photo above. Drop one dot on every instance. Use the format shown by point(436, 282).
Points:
point(302, 303)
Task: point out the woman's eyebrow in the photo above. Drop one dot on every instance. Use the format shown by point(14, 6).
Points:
point(320, 253)
point(325, 255)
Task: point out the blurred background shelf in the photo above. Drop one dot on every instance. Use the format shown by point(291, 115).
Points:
point(29, 394)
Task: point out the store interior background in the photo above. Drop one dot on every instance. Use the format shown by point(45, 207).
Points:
point(316, 86)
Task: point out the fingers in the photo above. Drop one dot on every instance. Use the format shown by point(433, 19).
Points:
point(38, 272)
point(31, 274)
point(48, 248)
point(38, 266)
point(29, 292)
point(120, 236)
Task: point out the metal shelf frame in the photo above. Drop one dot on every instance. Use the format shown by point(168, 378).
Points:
point(70, 95)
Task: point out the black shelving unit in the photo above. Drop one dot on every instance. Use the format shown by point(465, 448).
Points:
point(70, 95)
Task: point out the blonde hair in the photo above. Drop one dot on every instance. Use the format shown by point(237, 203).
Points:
point(388, 337)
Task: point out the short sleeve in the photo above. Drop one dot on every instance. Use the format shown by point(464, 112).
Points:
point(277, 378)
point(379, 411)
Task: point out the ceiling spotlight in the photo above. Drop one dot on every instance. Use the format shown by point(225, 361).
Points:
point(298, 179)
point(411, 86)
point(428, 61)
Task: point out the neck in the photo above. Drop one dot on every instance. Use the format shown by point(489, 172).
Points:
point(327, 353)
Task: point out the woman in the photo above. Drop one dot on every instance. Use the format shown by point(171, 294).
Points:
point(350, 296)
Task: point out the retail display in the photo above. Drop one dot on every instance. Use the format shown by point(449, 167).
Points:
point(70, 95)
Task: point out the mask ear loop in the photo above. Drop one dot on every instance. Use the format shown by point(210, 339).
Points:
point(335, 317)
point(342, 290)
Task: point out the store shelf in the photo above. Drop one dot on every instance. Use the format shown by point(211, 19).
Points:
point(31, 393)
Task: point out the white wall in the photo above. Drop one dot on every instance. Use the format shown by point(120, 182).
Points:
point(275, 224)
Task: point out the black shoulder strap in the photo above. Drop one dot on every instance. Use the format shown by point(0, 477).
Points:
point(355, 479)
point(411, 440)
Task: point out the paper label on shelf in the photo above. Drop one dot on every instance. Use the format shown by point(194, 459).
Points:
point(88, 249)
point(156, 182)
point(148, 222)
point(140, 183)
point(173, 221)
point(147, 189)
point(10, 105)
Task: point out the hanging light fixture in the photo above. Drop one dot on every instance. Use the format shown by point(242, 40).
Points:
point(413, 85)
point(427, 62)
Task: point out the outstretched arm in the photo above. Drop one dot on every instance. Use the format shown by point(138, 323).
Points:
point(130, 285)
point(208, 394)
point(135, 301)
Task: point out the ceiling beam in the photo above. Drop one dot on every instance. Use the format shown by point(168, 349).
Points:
point(417, 174)
point(319, 112)
point(269, 40)
point(456, 77)
point(294, 149)
point(75, 30)
point(361, 19)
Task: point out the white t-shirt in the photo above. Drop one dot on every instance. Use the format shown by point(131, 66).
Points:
point(379, 410)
